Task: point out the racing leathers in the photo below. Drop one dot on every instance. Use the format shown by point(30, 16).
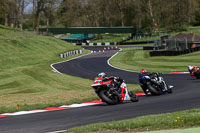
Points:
point(194, 70)
point(116, 83)
point(155, 78)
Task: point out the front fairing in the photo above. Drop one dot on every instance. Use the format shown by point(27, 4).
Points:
point(99, 84)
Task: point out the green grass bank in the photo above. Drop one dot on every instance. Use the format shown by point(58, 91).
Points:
point(26, 77)
point(138, 59)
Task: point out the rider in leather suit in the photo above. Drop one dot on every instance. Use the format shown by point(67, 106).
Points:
point(117, 81)
point(152, 76)
point(193, 70)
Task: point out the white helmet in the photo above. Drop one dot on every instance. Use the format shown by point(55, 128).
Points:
point(102, 74)
point(190, 67)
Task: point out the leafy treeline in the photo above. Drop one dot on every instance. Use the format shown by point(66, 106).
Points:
point(145, 15)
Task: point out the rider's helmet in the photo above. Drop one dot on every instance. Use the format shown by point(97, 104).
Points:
point(190, 67)
point(143, 71)
point(102, 74)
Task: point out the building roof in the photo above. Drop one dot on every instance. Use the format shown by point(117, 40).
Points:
point(183, 37)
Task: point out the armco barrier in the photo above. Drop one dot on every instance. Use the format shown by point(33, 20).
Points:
point(174, 53)
point(69, 53)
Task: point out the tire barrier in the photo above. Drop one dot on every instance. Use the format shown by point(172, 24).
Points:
point(95, 44)
point(174, 53)
point(69, 53)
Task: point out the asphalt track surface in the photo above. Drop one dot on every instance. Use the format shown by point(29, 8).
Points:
point(186, 95)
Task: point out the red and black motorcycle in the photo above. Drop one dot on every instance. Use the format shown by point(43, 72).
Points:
point(109, 92)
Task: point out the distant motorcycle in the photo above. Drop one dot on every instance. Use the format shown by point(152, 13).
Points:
point(154, 85)
point(107, 91)
point(194, 71)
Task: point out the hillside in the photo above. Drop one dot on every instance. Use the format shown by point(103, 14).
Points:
point(26, 77)
point(23, 48)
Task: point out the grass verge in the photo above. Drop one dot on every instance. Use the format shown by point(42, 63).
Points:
point(183, 119)
point(136, 60)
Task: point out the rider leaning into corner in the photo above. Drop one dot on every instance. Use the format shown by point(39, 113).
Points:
point(152, 75)
point(193, 70)
point(117, 81)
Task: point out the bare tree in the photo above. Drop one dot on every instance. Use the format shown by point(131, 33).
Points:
point(38, 6)
point(22, 4)
point(120, 4)
point(50, 8)
point(7, 12)
point(151, 11)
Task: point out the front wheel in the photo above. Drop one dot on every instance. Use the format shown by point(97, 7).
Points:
point(106, 97)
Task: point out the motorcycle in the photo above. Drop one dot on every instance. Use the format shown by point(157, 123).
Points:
point(194, 71)
point(108, 92)
point(154, 85)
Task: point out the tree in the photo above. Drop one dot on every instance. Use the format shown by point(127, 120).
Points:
point(13, 11)
point(49, 10)
point(7, 12)
point(70, 13)
point(38, 6)
point(22, 4)
point(142, 14)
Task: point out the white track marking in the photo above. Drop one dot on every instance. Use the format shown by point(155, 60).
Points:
point(108, 61)
point(66, 61)
point(56, 108)
point(61, 131)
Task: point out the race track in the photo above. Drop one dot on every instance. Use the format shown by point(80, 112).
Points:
point(186, 95)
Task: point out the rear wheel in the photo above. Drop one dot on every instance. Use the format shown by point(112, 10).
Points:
point(106, 97)
point(154, 89)
point(169, 90)
point(133, 97)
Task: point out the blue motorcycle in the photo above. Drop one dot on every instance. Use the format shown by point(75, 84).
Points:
point(154, 85)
